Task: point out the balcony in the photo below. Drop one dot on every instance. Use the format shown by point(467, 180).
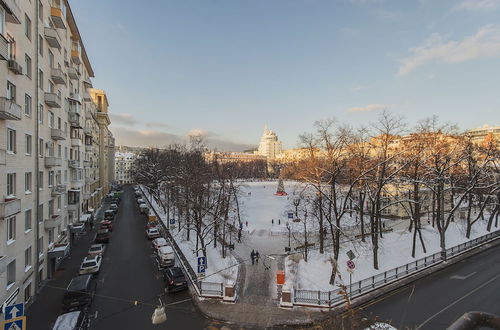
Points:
point(87, 83)
point(77, 183)
point(9, 208)
point(76, 142)
point(53, 221)
point(51, 161)
point(57, 17)
point(87, 163)
point(75, 97)
point(52, 100)
point(3, 157)
point(75, 57)
point(58, 76)
point(74, 119)
point(9, 110)
point(89, 148)
point(74, 163)
point(72, 73)
point(57, 134)
point(87, 131)
point(58, 190)
point(88, 114)
point(4, 48)
point(52, 38)
point(15, 67)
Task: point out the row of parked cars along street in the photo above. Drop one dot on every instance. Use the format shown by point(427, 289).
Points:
point(81, 290)
point(164, 254)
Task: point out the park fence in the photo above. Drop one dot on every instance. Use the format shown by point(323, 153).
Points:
point(337, 297)
point(202, 288)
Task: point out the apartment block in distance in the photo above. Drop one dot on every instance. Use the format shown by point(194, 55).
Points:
point(50, 142)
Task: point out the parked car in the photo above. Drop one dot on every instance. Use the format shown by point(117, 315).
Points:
point(158, 243)
point(151, 224)
point(114, 207)
point(174, 279)
point(76, 320)
point(165, 257)
point(106, 224)
point(91, 265)
point(109, 214)
point(144, 208)
point(96, 250)
point(152, 233)
point(137, 194)
point(102, 236)
point(79, 293)
point(115, 201)
point(140, 201)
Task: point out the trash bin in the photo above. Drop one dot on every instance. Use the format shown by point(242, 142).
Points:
point(280, 277)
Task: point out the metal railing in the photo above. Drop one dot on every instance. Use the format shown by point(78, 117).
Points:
point(334, 297)
point(203, 289)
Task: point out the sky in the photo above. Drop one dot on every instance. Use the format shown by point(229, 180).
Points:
point(226, 68)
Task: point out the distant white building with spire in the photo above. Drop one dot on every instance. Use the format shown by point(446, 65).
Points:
point(269, 146)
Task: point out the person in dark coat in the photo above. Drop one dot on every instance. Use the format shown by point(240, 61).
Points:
point(257, 256)
point(252, 255)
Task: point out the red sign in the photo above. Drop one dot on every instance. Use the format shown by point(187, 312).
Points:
point(350, 264)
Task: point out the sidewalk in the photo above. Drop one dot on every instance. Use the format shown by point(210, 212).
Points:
point(45, 309)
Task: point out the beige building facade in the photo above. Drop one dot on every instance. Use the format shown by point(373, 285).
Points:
point(50, 139)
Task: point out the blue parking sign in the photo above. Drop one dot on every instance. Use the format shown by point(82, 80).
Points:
point(202, 261)
point(172, 221)
point(201, 268)
point(290, 215)
point(14, 311)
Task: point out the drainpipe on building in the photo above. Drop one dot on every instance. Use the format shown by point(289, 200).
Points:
point(37, 154)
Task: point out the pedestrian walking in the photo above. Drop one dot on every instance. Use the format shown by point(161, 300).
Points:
point(239, 236)
point(272, 221)
point(257, 256)
point(246, 222)
point(252, 256)
point(279, 221)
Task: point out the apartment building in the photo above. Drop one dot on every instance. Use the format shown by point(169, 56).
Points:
point(123, 167)
point(50, 140)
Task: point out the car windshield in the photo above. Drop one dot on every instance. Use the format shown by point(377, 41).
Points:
point(89, 264)
point(95, 248)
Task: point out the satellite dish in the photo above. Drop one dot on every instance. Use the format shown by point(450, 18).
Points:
point(159, 315)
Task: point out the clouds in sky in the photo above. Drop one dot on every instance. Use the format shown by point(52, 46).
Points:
point(484, 43)
point(478, 5)
point(369, 107)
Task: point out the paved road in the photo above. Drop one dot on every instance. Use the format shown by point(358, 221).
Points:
point(129, 274)
point(436, 301)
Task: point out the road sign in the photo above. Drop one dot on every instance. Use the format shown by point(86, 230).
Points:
point(201, 268)
point(172, 221)
point(351, 265)
point(14, 311)
point(202, 261)
point(351, 255)
point(290, 215)
point(19, 323)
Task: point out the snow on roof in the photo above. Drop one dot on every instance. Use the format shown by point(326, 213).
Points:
point(166, 249)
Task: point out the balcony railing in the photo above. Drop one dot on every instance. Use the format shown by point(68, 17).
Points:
point(86, 163)
point(72, 73)
point(76, 142)
point(75, 97)
point(75, 56)
point(9, 208)
point(57, 134)
point(86, 97)
point(52, 37)
point(51, 161)
point(77, 183)
point(15, 67)
point(74, 163)
point(53, 221)
point(74, 119)
point(89, 148)
point(58, 190)
point(57, 17)
point(58, 76)
point(9, 110)
point(87, 131)
point(53, 100)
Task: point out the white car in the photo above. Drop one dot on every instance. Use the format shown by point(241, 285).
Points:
point(96, 250)
point(140, 201)
point(159, 242)
point(152, 233)
point(91, 265)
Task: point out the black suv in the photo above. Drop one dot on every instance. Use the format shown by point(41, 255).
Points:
point(174, 279)
point(109, 215)
point(79, 293)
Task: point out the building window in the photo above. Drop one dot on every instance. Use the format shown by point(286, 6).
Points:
point(27, 293)
point(51, 59)
point(40, 10)
point(11, 273)
point(27, 64)
point(40, 214)
point(27, 105)
point(11, 92)
point(40, 113)
point(11, 140)
point(51, 178)
point(40, 147)
point(27, 26)
point(27, 258)
point(27, 220)
point(40, 179)
point(11, 184)
point(28, 142)
point(51, 87)
point(2, 20)
point(28, 178)
point(11, 229)
point(40, 45)
point(40, 79)
point(51, 119)
point(40, 245)
point(51, 236)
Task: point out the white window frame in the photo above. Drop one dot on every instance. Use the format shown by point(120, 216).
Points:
point(11, 185)
point(28, 182)
point(10, 229)
point(11, 274)
point(28, 144)
point(11, 140)
point(28, 221)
